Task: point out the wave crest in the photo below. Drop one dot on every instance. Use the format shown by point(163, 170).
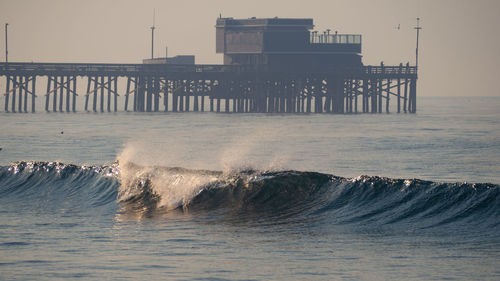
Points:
point(247, 194)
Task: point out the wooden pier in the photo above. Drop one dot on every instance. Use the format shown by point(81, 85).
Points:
point(214, 88)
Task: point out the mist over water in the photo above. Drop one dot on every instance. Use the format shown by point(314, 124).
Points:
point(243, 196)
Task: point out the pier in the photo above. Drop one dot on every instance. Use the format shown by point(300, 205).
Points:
point(282, 67)
point(226, 88)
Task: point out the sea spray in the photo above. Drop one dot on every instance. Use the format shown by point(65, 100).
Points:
point(173, 187)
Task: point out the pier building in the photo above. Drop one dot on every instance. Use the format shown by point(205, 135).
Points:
point(282, 44)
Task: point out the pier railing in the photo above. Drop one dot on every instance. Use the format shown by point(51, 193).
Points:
point(327, 38)
point(89, 69)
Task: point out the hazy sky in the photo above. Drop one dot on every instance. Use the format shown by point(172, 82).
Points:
point(460, 41)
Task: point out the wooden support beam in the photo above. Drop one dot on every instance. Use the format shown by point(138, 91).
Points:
point(20, 102)
point(309, 98)
point(365, 96)
point(33, 95)
point(15, 87)
point(329, 97)
point(136, 93)
point(318, 97)
point(349, 95)
point(87, 95)
point(115, 90)
point(73, 105)
point(195, 96)
point(379, 94)
point(149, 93)
point(68, 80)
point(388, 97)
point(102, 94)
point(187, 95)
point(302, 100)
point(94, 105)
point(413, 96)
point(181, 97)
point(127, 94)
point(374, 95)
point(405, 99)
point(47, 96)
point(165, 95)
point(293, 97)
point(109, 94)
point(341, 94)
point(141, 97)
point(61, 94)
point(7, 92)
point(399, 95)
point(356, 98)
point(26, 91)
point(54, 97)
point(203, 92)
point(156, 85)
point(174, 96)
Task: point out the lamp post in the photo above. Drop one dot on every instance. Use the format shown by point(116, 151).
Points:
point(153, 35)
point(6, 45)
point(418, 28)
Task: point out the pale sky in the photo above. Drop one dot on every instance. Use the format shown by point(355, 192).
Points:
point(459, 43)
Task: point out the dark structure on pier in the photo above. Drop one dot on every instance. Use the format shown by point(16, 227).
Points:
point(270, 65)
point(284, 44)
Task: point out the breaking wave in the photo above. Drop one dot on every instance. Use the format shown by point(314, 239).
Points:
point(310, 197)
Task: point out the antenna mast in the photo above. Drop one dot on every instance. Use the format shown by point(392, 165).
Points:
point(418, 28)
point(153, 35)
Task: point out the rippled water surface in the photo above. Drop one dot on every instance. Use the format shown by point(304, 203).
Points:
point(242, 196)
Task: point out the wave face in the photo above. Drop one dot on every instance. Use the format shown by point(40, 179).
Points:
point(46, 187)
point(250, 195)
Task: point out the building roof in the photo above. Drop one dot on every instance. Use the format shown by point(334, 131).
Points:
point(263, 22)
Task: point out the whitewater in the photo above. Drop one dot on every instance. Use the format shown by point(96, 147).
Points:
point(201, 196)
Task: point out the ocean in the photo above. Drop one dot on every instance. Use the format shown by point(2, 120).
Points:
point(206, 196)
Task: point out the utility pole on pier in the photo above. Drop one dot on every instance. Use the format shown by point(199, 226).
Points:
point(6, 45)
point(418, 28)
point(153, 35)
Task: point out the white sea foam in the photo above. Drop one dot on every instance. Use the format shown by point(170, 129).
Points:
point(175, 186)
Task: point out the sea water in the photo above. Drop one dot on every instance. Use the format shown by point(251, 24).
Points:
point(205, 196)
